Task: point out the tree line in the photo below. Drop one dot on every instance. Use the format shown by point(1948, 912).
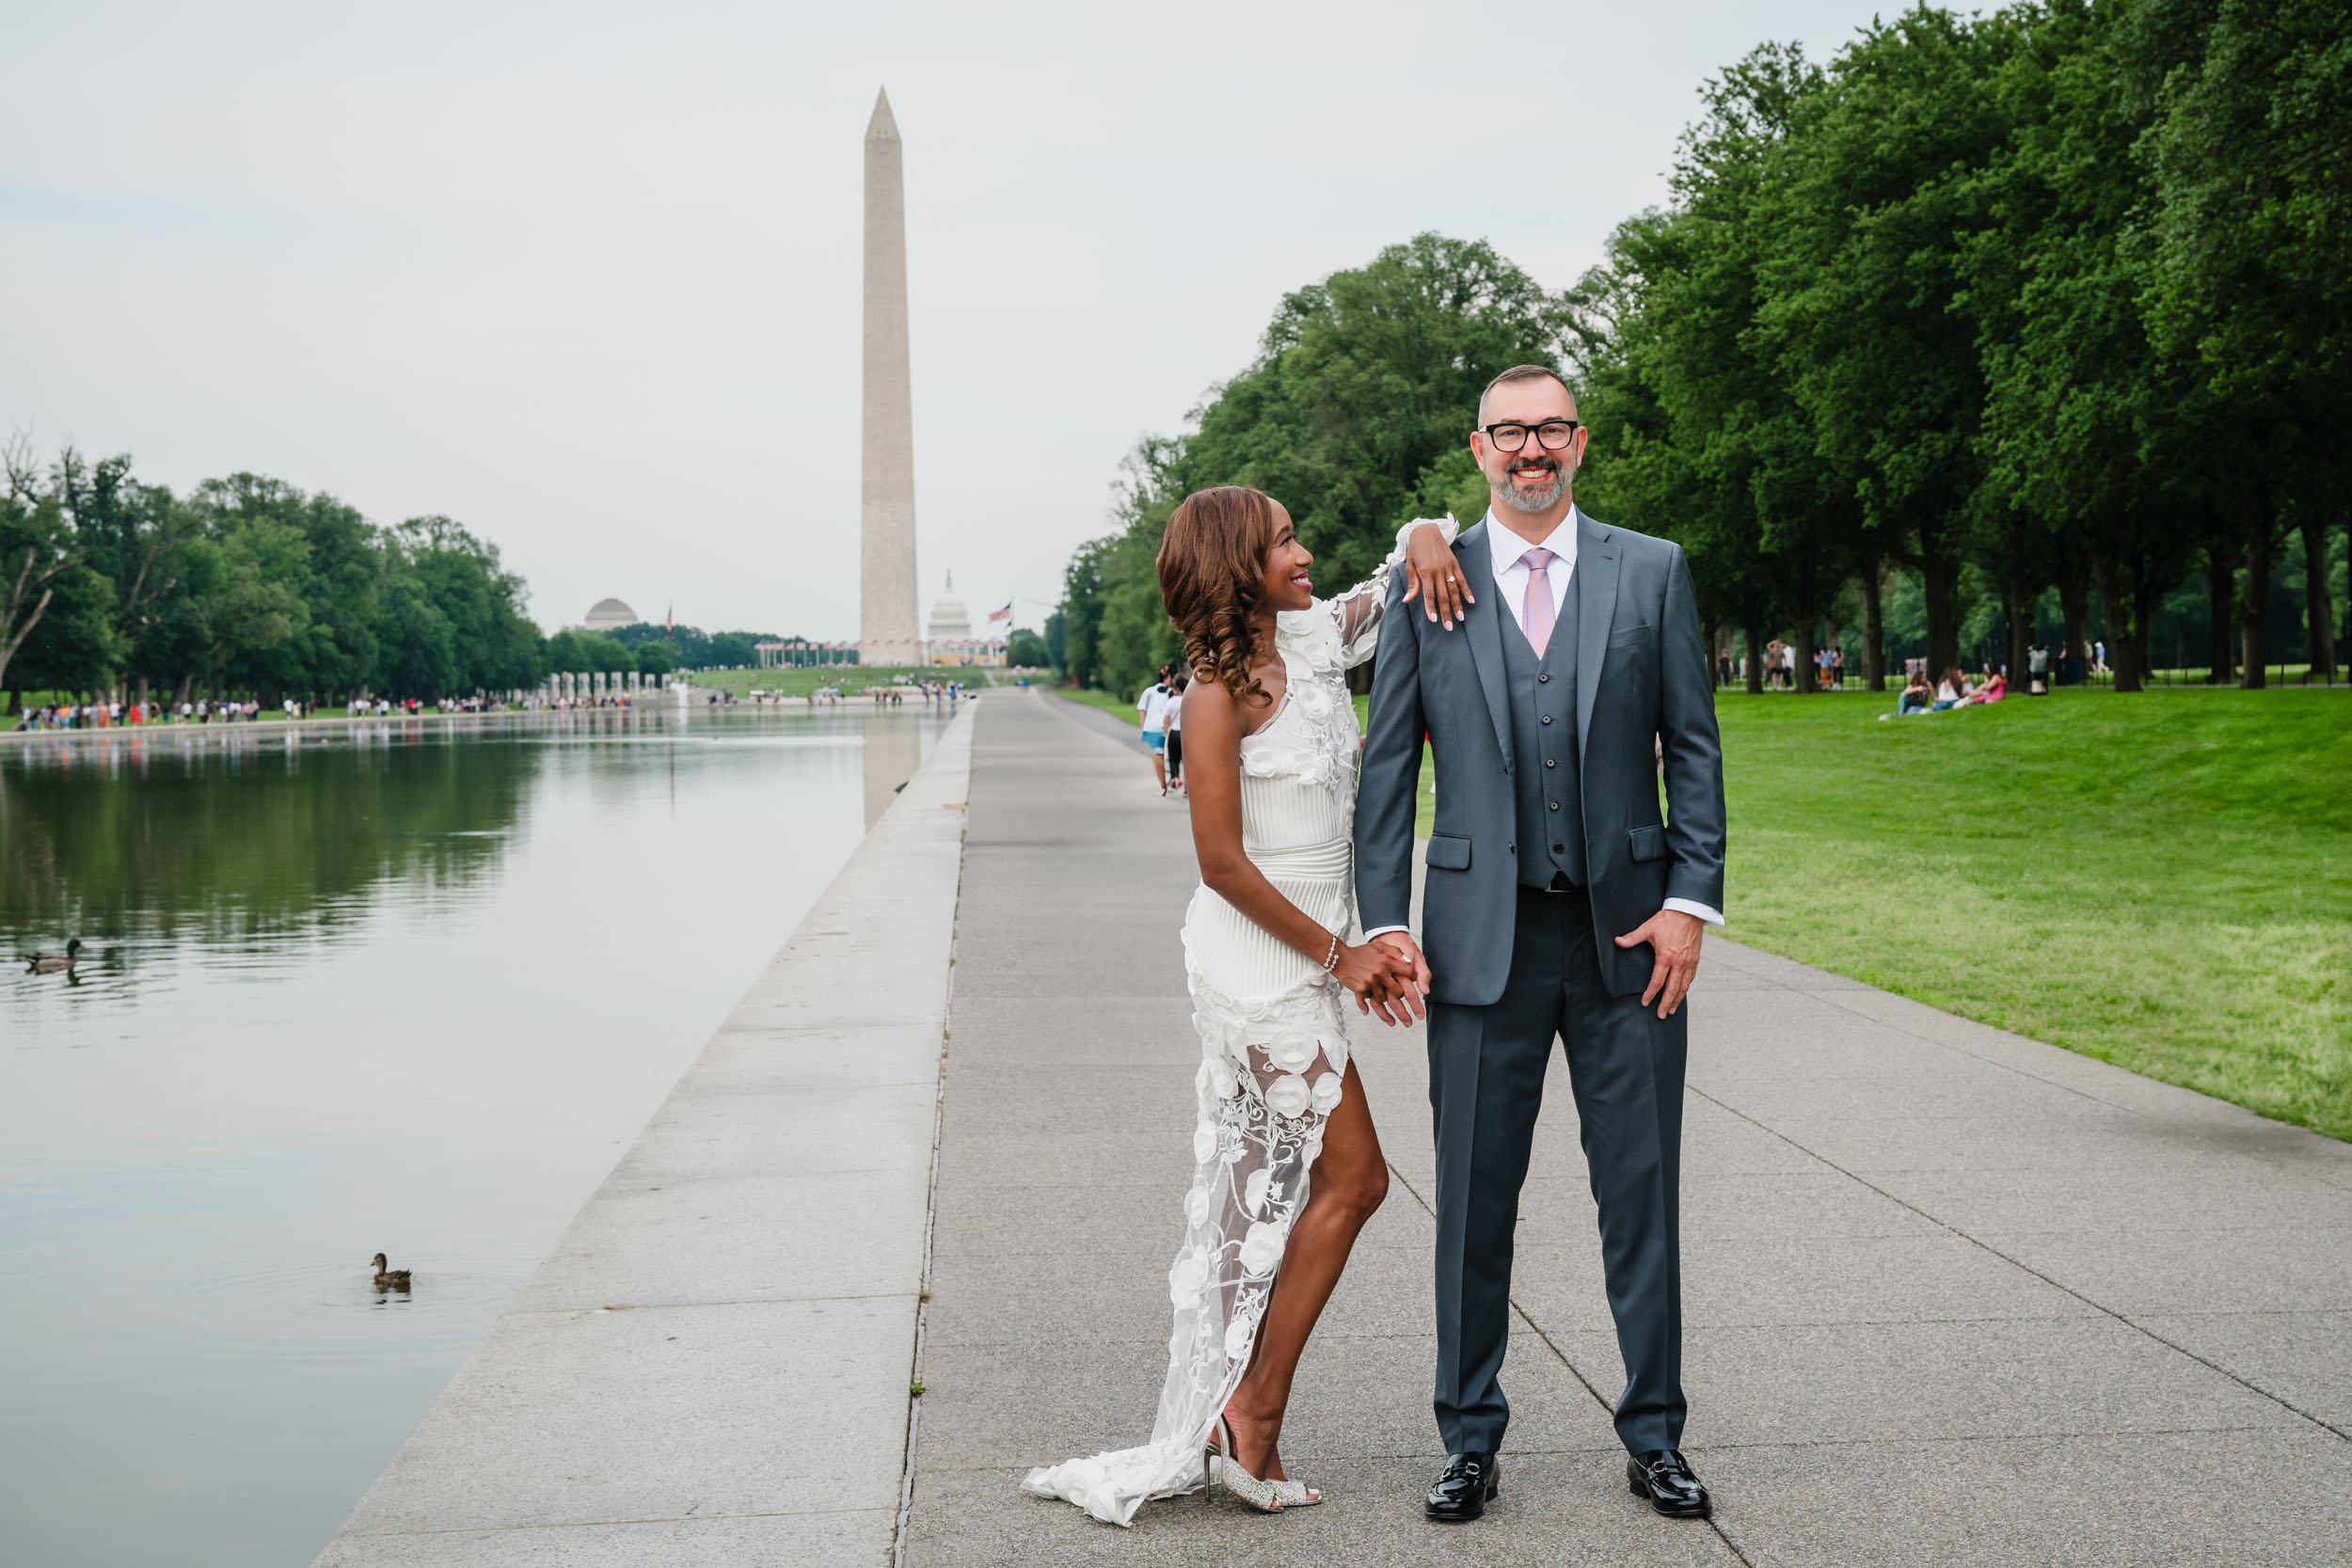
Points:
point(1353, 414)
point(2001, 321)
point(249, 586)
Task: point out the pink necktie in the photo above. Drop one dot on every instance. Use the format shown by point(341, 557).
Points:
point(1536, 616)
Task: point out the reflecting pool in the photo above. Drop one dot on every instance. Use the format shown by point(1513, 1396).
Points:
point(406, 988)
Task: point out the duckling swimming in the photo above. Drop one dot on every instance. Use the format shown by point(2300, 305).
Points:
point(389, 1279)
point(51, 963)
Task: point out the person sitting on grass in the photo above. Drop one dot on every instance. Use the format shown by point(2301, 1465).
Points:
point(1952, 691)
point(1917, 695)
point(1993, 690)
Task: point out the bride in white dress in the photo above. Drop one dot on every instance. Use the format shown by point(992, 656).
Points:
point(1270, 753)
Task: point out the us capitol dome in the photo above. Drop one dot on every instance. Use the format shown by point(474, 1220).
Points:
point(950, 621)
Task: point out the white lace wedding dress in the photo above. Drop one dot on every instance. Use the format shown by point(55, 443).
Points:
point(1273, 1046)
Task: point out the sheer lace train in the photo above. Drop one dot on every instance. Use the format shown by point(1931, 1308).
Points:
point(1274, 1057)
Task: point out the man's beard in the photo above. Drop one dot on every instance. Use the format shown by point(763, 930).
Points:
point(1540, 498)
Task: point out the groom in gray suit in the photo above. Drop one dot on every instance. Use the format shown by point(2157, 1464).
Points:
point(1560, 902)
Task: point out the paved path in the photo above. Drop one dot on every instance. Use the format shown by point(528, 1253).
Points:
point(1954, 1297)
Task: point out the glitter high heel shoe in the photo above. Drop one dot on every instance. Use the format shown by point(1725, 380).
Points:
point(1264, 1496)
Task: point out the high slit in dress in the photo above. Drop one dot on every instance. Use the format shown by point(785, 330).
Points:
point(1273, 1049)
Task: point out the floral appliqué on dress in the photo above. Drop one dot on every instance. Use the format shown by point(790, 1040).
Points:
point(1272, 1065)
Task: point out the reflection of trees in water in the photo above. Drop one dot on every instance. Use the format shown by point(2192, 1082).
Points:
point(105, 838)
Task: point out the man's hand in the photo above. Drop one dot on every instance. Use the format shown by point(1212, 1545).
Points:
point(1674, 936)
point(1434, 576)
point(1400, 944)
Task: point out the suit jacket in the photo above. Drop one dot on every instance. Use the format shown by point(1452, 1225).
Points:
point(1643, 684)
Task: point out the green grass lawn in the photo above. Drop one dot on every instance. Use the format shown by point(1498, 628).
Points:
point(1109, 702)
point(2163, 881)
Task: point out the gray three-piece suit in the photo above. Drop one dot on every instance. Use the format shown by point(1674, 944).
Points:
point(1548, 778)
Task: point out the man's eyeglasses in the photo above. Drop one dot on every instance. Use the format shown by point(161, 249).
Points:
point(1510, 436)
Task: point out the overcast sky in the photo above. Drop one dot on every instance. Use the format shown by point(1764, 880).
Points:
point(585, 277)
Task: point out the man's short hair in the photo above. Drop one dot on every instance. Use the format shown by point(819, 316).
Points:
point(1527, 372)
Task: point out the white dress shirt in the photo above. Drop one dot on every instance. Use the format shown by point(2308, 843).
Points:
point(1507, 552)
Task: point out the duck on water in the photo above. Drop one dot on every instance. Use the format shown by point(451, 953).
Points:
point(51, 963)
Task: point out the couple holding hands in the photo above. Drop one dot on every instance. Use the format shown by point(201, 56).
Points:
point(1556, 669)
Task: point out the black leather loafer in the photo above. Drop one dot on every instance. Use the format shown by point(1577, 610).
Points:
point(1663, 1477)
point(1463, 1489)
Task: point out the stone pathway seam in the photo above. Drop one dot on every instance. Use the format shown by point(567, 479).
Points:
point(2102, 1434)
point(1829, 997)
point(931, 1207)
point(1793, 1446)
point(1101, 725)
point(604, 1524)
point(1574, 1371)
point(2101, 1307)
point(694, 1306)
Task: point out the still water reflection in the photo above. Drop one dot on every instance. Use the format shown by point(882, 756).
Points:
point(405, 989)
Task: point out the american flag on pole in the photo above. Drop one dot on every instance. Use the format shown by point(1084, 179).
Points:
point(1004, 614)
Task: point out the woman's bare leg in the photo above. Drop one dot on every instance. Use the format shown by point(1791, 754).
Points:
point(1345, 1186)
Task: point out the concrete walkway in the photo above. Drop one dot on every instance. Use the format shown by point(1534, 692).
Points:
point(1953, 1296)
point(713, 1366)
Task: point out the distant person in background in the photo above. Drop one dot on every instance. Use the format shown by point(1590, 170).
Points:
point(1993, 690)
point(1153, 706)
point(1952, 691)
point(1917, 695)
point(1176, 684)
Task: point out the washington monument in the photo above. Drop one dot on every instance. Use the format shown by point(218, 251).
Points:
point(888, 629)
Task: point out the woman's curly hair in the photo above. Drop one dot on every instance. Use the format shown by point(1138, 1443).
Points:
point(1211, 566)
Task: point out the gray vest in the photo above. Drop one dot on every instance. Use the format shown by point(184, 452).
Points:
point(1551, 802)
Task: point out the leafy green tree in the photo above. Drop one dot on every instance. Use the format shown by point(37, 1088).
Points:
point(1083, 582)
point(735, 647)
point(36, 550)
point(2251, 248)
point(1355, 415)
point(1870, 201)
point(1363, 382)
point(261, 621)
point(249, 584)
point(2075, 392)
point(1027, 649)
point(656, 658)
point(1699, 434)
point(336, 581)
point(493, 646)
point(417, 647)
point(55, 625)
point(150, 547)
point(584, 652)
